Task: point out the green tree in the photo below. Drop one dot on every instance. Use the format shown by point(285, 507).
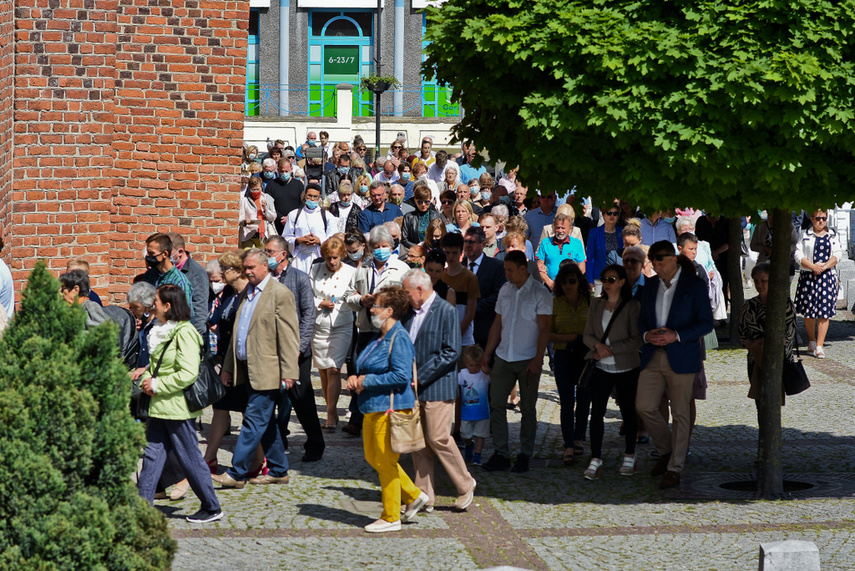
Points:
point(726, 105)
point(69, 446)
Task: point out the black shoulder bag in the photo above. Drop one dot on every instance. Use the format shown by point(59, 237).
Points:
point(591, 364)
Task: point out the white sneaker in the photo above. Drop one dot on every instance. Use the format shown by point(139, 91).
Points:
point(413, 508)
point(383, 526)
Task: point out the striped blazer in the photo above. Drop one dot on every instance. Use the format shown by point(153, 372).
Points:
point(437, 351)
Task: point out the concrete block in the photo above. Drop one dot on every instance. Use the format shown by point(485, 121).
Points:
point(790, 555)
point(849, 290)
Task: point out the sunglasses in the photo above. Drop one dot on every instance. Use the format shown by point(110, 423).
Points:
point(448, 202)
point(821, 218)
point(291, 157)
point(660, 257)
point(396, 147)
point(422, 201)
point(610, 279)
point(611, 213)
point(571, 281)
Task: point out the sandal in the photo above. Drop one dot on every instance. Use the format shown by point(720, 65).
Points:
point(594, 469)
point(578, 450)
point(569, 456)
point(628, 467)
point(820, 354)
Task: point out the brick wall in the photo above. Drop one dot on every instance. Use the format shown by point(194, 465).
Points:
point(7, 68)
point(128, 120)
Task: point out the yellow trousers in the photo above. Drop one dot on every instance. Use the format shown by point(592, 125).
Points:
point(395, 485)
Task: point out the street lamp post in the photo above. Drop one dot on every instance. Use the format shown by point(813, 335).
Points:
point(378, 92)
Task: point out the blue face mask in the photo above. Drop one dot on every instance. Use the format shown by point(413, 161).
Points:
point(382, 254)
point(345, 203)
point(311, 204)
point(343, 170)
point(363, 189)
point(272, 263)
point(670, 220)
point(269, 174)
point(405, 176)
point(486, 194)
point(285, 176)
point(312, 143)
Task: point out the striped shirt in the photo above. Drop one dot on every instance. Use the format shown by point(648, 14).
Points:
point(176, 277)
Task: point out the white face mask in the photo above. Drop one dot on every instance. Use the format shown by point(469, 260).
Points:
point(218, 287)
point(378, 321)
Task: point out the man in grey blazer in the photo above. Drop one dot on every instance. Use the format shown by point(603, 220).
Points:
point(434, 327)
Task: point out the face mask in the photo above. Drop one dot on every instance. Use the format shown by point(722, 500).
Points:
point(395, 243)
point(269, 175)
point(344, 204)
point(670, 220)
point(363, 189)
point(285, 176)
point(312, 143)
point(397, 200)
point(473, 190)
point(382, 254)
point(272, 263)
point(355, 256)
point(252, 156)
point(405, 176)
point(423, 176)
point(486, 194)
point(311, 204)
point(218, 287)
point(413, 265)
point(378, 322)
point(343, 170)
point(151, 261)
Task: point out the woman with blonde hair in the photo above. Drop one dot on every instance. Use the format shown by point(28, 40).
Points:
point(464, 217)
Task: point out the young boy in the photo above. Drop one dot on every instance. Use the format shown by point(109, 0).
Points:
point(475, 414)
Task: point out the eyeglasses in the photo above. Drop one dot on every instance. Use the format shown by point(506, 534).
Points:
point(821, 218)
point(611, 213)
point(418, 201)
point(471, 241)
point(448, 202)
point(380, 307)
point(610, 279)
point(660, 257)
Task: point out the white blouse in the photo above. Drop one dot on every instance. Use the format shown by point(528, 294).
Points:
point(326, 286)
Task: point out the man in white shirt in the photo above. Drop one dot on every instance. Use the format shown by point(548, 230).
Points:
point(307, 228)
point(675, 316)
point(518, 338)
point(388, 174)
point(436, 171)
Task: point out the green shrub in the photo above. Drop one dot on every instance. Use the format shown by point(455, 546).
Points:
point(69, 446)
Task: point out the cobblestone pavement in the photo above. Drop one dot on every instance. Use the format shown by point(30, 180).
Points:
point(550, 517)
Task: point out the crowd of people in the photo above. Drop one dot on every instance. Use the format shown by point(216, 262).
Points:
point(421, 280)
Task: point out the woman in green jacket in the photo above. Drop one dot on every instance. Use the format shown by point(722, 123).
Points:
point(175, 349)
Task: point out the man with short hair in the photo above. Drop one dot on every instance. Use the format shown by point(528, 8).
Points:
point(464, 194)
point(74, 288)
point(518, 338)
point(655, 228)
point(436, 171)
point(81, 264)
point(541, 216)
point(268, 171)
point(301, 395)
point(675, 316)
point(334, 177)
point(307, 228)
point(398, 249)
point(198, 278)
point(467, 169)
point(491, 277)
point(490, 226)
point(433, 326)
point(286, 191)
point(562, 246)
point(161, 270)
point(389, 174)
point(379, 211)
point(263, 355)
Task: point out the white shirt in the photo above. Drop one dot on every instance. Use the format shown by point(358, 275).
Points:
point(381, 177)
point(437, 174)
point(665, 297)
point(309, 222)
point(477, 262)
point(421, 313)
point(519, 308)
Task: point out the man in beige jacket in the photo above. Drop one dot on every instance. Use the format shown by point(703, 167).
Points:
point(262, 357)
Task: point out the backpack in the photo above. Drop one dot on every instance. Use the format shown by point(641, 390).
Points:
point(323, 217)
point(129, 339)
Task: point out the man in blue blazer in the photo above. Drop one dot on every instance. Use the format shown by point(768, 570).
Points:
point(434, 327)
point(491, 277)
point(675, 315)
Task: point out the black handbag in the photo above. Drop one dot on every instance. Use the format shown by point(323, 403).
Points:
point(207, 389)
point(590, 364)
point(793, 376)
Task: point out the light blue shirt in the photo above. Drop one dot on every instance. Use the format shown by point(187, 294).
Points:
point(252, 295)
point(468, 172)
point(536, 220)
point(652, 233)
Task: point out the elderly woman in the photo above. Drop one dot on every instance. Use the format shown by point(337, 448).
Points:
point(333, 324)
point(344, 208)
point(175, 346)
point(464, 218)
point(752, 325)
point(257, 213)
point(416, 257)
point(415, 225)
point(449, 180)
point(817, 252)
point(383, 378)
point(567, 326)
point(215, 296)
point(618, 363)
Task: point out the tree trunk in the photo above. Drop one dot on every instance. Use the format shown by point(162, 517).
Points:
point(770, 475)
point(734, 270)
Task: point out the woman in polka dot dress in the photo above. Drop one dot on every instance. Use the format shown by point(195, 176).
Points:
point(817, 253)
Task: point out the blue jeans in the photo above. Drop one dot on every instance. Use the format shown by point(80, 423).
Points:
point(260, 426)
point(568, 367)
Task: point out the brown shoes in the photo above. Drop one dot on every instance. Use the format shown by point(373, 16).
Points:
point(670, 480)
point(661, 465)
point(268, 479)
point(227, 481)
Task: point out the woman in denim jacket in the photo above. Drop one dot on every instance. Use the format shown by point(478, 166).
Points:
point(386, 366)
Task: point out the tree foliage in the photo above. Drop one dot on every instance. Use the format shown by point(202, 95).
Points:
point(726, 105)
point(69, 446)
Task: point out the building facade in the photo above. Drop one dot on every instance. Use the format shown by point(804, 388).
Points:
point(299, 50)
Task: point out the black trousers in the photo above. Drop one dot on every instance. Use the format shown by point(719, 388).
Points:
point(302, 397)
point(601, 388)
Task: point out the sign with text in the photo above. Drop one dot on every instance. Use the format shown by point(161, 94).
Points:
point(341, 60)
